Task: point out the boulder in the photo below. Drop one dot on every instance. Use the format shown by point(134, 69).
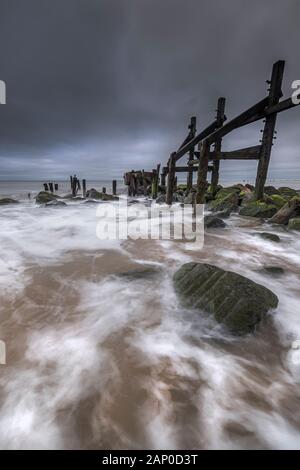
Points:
point(269, 236)
point(258, 209)
point(223, 214)
point(228, 202)
point(94, 194)
point(274, 271)
point(270, 190)
point(161, 199)
point(43, 197)
point(290, 210)
point(55, 203)
point(235, 301)
point(276, 200)
point(294, 224)
point(210, 221)
point(286, 192)
point(7, 200)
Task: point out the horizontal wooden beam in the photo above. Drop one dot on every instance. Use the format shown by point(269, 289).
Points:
point(190, 145)
point(250, 153)
point(184, 169)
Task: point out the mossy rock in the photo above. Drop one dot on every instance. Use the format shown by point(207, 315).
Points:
point(269, 236)
point(271, 190)
point(294, 224)
point(7, 200)
point(235, 301)
point(276, 199)
point(210, 221)
point(224, 192)
point(43, 197)
point(228, 202)
point(94, 194)
point(286, 192)
point(181, 187)
point(274, 271)
point(259, 209)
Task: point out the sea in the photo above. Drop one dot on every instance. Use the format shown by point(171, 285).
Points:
point(100, 354)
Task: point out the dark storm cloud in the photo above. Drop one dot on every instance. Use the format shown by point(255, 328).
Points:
point(100, 86)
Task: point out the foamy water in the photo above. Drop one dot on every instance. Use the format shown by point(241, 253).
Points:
point(100, 353)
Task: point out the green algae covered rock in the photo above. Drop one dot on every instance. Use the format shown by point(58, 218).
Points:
point(235, 301)
point(43, 197)
point(294, 224)
point(7, 200)
point(228, 202)
point(259, 209)
point(269, 236)
point(286, 192)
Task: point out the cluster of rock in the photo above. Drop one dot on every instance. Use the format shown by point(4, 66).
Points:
point(7, 200)
point(279, 206)
point(53, 200)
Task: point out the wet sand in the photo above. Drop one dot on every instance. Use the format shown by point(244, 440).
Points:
point(100, 353)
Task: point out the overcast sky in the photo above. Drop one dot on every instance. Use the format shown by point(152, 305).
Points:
point(98, 87)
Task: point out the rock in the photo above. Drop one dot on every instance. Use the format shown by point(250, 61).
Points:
point(276, 200)
point(249, 186)
point(189, 199)
point(294, 224)
point(237, 302)
point(210, 221)
point(269, 236)
point(223, 214)
point(43, 197)
point(258, 209)
point(290, 210)
point(55, 203)
point(94, 194)
point(161, 199)
point(275, 271)
point(270, 190)
point(7, 200)
point(229, 202)
point(288, 193)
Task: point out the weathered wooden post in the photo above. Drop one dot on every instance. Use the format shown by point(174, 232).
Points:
point(157, 179)
point(84, 188)
point(46, 186)
point(192, 128)
point(275, 94)
point(171, 178)
point(217, 146)
point(153, 184)
point(114, 187)
point(71, 182)
point(163, 178)
point(104, 190)
point(202, 172)
point(51, 187)
point(56, 187)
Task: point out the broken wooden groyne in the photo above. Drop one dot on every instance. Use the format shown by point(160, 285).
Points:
point(204, 149)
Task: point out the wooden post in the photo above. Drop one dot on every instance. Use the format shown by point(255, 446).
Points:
point(74, 187)
point(71, 181)
point(51, 187)
point(153, 184)
point(56, 187)
point(157, 178)
point(218, 145)
point(114, 187)
point(84, 188)
point(171, 178)
point(202, 172)
point(163, 178)
point(275, 94)
point(192, 128)
point(46, 186)
point(104, 190)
